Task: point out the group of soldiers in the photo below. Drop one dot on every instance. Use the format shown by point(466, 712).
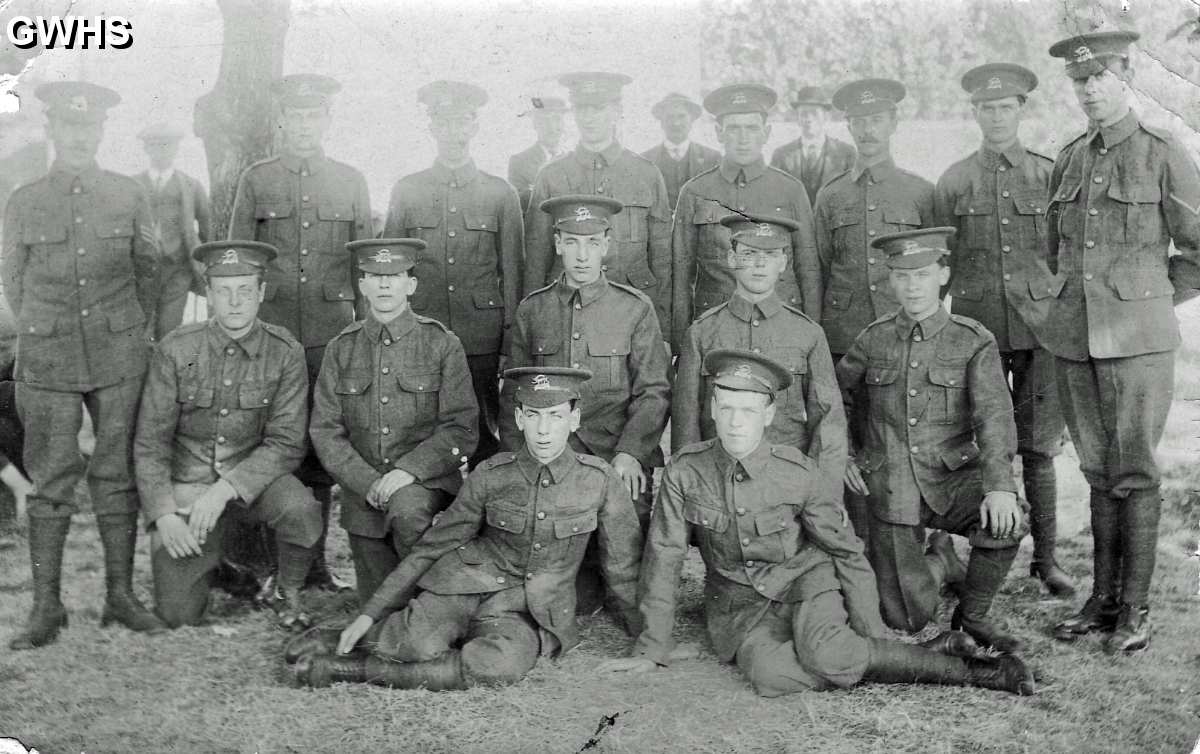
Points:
point(788, 318)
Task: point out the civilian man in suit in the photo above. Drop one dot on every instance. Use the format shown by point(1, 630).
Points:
point(678, 158)
point(815, 157)
point(547, 118)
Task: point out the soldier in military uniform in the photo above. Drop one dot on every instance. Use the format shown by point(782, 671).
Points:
point(788, 595)
point(584, 319)
point(220, 430)
point(470, 270)
point(939, 444)
point(809, 415)
point(80, 272)
point(179, 205)
point(546, 115)
point(743, 182)
point(815, 157)
point(394, 415)
point(308, 207)
point(872, 198)
point(996, 199)
point(678, 158)
point(640, 241)
point(1120, 194)
point(489, 587)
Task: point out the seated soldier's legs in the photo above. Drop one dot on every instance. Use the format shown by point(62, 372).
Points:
point(909, 589)
point(290, 509)
point(590, 589)
point(767, 655)
point(825, 644)
point(426, 628)
point(410, 511)
point(502, 644)
point(181, 584)
point(374, 559)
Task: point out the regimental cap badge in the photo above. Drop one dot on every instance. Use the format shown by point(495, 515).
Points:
point(867, 97)
point(384, 256)
point(230, 257)
point(78, 103)
point(583, 214)
point(743, 371)
point(738, 99)
point(305, 89)
point(1083, 53)
point(995, 83)
point(540, 382)
point(911, 247)
point(588, 86)
point(763, 229)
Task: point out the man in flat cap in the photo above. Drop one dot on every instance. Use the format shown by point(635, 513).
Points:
point(996, 199)
point(490, 586)
point(220, 432)
point(789, 596)
point(1120, 195)
point(80, 271)
point(938, 447)
point(179, 205)
point(678, 158)
point(308, 206)
point(470, 221)
point(639, 252)
point(585, 319)
point(815, 157)
point(393, 416)
point(546, 116)
point(872, 198)
point(808, 413)
point(742, 182)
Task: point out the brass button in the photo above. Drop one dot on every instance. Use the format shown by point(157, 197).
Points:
point(229, 351)
point(450, 288)
point(304, 198)
point(1090, 244)
point(537, 545)
point(1087, 276)
point(1007, 276)
point(1004, 221)
point(741, 511)
point(745, 540)
point(80, 252)
point(754, 323)
point(224, 412)
point(870, 232)
point(1093, 211)
point(1103, 150)
point(760, 587)
point(604, 268)
point(749, 563)
point(386, 430)
point(83, 281)
point(541, 515)
point(78, 219)
point(449, 260)
point(739, 477)
point(914, 363)
point(499, 579)
point(304, 252)
point(453, 210)
point(1098, 179)
point(384, 399)
point(871, 207)
point(600, 190)
point(529, 577)
point(870, 260)
point(1004, 193)
point(873, 287)
point(912, 391)
point(386, 370)
point(912, 421)
point(303, 279)
point(452, 234)
point(914, 449)
point(575, 335)
point(704, 521)
point(917, 337)
point(1002, 169)
point(305, 224)
point(387, 341)
point(545, 482)
point(1006, 248)
point(75, 189)
point(83, 312)
point(226, 383)
point(575, 529)
point(220, 439)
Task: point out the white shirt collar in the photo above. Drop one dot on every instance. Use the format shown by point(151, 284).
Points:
point(157, 178)
point(677, 151)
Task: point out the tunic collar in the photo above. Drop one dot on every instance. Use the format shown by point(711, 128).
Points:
point(608, 155)
point(1013, 156)
point(395, 329)
point(64, 180)
point(460, 176)
point(250, 343)
point(729, 170)
point(745, 311)
point(587, 293)
point(1117, 132)
point(557, 469)
point(300, 164)
point(930, 326)
point(753, 465)
point(879, 172)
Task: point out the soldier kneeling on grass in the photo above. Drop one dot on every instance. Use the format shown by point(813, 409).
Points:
point(789, 595)
point(220, 432)
point(490, 586)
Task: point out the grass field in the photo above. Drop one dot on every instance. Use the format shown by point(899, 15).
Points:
point(223, 687)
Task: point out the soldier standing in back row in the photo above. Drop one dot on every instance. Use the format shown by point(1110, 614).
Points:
point(996, 199)
point(470, 270)
point(640, 242)
point(742, 183)
point(1119, 195)
point(546, 114)
point(308, 207)
point(678, 158)
point(80, 275)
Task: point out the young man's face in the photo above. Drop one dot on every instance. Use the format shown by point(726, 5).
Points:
point(919, 290)
point(75, 143)
point(741, 417)
point(161, 153)
point(304, 128)
point(812, 120)
point(676, 123)
point(1101, 96)
point(234, 300)
point(743, 136)
point(582, 255)
point(548, 125)
point(999, 120)
point(453, 134)
point(597, 123)
point(387, 294)
point(873, 133)
point(756, 271)
point(546, 429)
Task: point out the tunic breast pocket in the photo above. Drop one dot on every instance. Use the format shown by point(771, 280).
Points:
point(45, 238)
point(633, 219)
point(948, 400)
point(901, 217)
point(273, 218)
point(424, 223)
point(708, 519)
point(795, 361)
point(776, 530)
point(253, 400)
point(1031, 211)
point(573, 531)
point(195, 401)
point(483, 227)
point(882, 394)
point(419, 391)
point(116, 231)
point(338, 217)
point(975, 220)
point(1135, 213)
point(351, 389)
point(845, 226)
point(607, 357)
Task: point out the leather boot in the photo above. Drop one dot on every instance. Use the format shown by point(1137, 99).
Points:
point(954, 644)
point(986, 571)
point(1102, 608)
point(118, 533)
point(1140, 514)
point(443, 673)
point(896, 662)
point(319, 575)
point(235, 579)
point(1132, 632)
point(320, 671)
point(47, 538)
point(1041, 490)
point(319, 640)
point(945, 565)
point(294, 562)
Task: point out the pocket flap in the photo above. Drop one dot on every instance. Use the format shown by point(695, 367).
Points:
point(43, 232)
point(195, 395)
point(469, 555)
point(544, 346)
point(420, 382)
point(608, 346)
point(40, 323)
point(956, 458)
point(640, 276)
point(338, 291)
point(968, 289)
point(1030, 204)
point(1051, 286)
point(838, 298)
point(840, 218)
point(1068, 190)
point(126, 317)
point(255, 396)
point(506, 519)
point(477, 221)
point(967, 206)
point(334, 212)
point(272, 210)
point(572, 525)
point(709, 518)
point(1135, 193)
point(424, 218)
point(772, 521)
point(952, 377)
point(878, 375)
point(639, 196)
point(794, 360)
point(353, 383)
point(1135, 286)
point(901, 215)
point(115, 227)
point(487, 300)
